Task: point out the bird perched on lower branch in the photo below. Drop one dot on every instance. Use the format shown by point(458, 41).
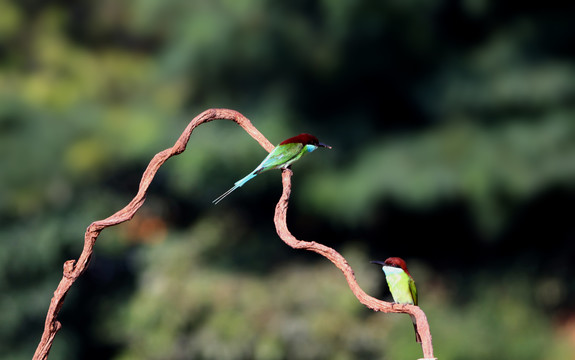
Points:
point(401, 285)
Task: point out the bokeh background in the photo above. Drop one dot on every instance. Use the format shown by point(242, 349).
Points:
point(453, 133)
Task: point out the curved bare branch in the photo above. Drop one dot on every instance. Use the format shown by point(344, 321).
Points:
point(74, 269)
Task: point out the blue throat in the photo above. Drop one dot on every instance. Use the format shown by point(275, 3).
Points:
point(310, 148)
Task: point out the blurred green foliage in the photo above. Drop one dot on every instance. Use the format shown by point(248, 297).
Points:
point(459, 160)
point(454, 147)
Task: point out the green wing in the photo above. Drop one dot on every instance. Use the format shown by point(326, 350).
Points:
point(279, 156)
point(413, 290)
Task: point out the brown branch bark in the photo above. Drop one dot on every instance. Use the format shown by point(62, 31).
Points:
point(341, 263)
point(74, 269)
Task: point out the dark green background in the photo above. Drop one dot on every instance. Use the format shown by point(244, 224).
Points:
point(453, 133)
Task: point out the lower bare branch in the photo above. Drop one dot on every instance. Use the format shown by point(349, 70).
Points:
point(339, 261)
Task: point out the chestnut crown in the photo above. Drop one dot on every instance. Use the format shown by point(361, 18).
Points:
point(306, 139)
point(394, 262)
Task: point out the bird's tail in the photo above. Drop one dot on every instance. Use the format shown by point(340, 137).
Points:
point(221, 197)
point(417, 337)
point(238, 184)
point(250, 176)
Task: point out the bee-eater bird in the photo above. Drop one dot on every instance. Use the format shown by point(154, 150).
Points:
point(281, 157)
point(401, 284)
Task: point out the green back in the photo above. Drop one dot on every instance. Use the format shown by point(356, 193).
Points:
point(413, 290)
point(282, 156)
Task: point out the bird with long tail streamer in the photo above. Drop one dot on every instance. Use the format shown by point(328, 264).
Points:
point(282, 156)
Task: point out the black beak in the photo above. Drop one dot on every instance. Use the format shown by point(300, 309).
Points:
point(378, 262)
point(324, 145)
